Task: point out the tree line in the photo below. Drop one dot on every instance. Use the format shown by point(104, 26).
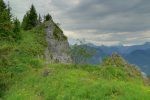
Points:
point(10, 27)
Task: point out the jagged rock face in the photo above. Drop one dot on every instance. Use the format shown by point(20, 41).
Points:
point(58, 46)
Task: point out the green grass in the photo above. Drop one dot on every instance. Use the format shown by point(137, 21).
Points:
point(17, 58)
point(70, 82)
point(58, 34)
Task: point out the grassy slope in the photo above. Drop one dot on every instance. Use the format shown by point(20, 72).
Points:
point(69, 82)
point(30, 80)
point(17, 58)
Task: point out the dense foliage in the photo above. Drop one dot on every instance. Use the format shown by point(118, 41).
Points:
point(9, 29)
point(9, 34)
point(20, 57)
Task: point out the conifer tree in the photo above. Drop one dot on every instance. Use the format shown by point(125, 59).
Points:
point(33, 17)
point(2, 6)
point(5, 20)
point(47, 17)
point(30, 19)
point(16, 29)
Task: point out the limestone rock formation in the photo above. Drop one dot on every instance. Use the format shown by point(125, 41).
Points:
point(58, 46)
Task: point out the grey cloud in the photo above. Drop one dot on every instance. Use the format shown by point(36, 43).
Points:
point(112, 15)
point(126, 17)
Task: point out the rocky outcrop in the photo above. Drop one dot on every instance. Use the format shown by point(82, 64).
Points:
point(58, 46)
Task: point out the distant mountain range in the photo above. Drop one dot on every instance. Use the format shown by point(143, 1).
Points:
point(137, 54)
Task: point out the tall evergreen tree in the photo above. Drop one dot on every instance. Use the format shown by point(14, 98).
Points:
point(5, 14)
point(33, 16)
point(30, 19)
point(5, 20)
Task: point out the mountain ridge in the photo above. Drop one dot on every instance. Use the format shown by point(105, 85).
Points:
point(136, 54)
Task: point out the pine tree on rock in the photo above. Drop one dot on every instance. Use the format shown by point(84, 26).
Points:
point(47, 17)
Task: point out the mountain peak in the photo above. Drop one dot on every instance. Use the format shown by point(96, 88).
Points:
point(147, 43)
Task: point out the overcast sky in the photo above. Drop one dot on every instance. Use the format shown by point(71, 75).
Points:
point(101, 22)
